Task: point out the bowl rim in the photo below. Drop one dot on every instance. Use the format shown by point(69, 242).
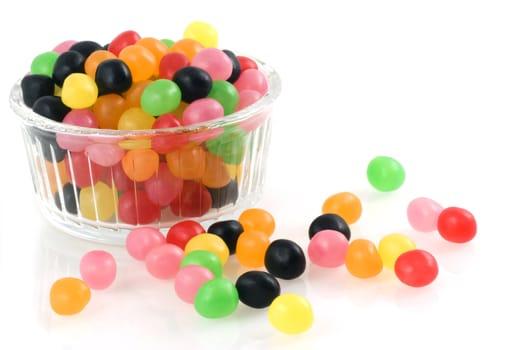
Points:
point(32, 119)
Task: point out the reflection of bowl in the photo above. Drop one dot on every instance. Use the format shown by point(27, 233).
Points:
point(215, 168)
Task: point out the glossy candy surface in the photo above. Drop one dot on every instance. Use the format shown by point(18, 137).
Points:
point(391, 246)
point(204, 258)
point(69, 296)
point(329, 221)
point(251, 247)
point(210, 243)
point(258, 219)
point(345, 204)
point(163, 261)
point(183, 231)
point(362, 259)
point(291, 313)
point(257, 289)
point(141, 240)
point(385, 174)
point(416, 268)
point(285, 259)
point(188, 281)
point(98, 269)
point(457, 225)
point(423, 213)
point(327, 248)
point(216, 298)
point(228, 231)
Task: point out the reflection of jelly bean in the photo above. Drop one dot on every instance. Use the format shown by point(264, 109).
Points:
point(285, 259)
point(70, 194)
point(44, 63)
point(189, 279)
point(133, 96)
point(203, 32)
point(134, 207)
point(257, 289)
point(104, 154)
point(362, 259)
point(216, 174)
point(181, 232)
point(329, 221)
point(122, 40)
point(69, 296)
point(194, 200)
point(385, 174)
point(79, 91)
point(225, 93)
point(457, 225)
point(216, 298)
point(141, 240)
point(251, 248)
point(423, 213)
point(291, 314)
point(204, 258)
point(35, 86)
point(98, 202)
point(257, 219)
point(94, 59)
point(189, 47)
point(108, 109)
point(228, 231)
point(252, 79)
point(140, 164)
point(345, 204)
point(98, 269)
point(163, 186)
point(187, 163)
point(163, 261)
point(194, 83)
point(328, 248)
point(159, 97)
point(213, 61)
point(416, 268)
point(141, 62)
point(170, 63)
point(81, 171)
point(113, 76)
point(211, 243)
point(393, 245)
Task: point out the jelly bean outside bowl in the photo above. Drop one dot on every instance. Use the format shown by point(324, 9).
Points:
point(204, 172)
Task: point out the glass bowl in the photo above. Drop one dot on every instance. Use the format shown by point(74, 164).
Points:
point(200, 172)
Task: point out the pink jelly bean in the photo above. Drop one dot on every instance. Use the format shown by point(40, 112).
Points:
point(189, 279)
point(98, 269)
point(163, 187)
point(117, 177)
point(252, 79)
point(105, 154)
point(64, 46)
point(215, 62)
point(202, 110)
point(78, 117)
point(328, 248)
point(247, 98)
point(423, 213)
point(141, 240)
point(163, 261)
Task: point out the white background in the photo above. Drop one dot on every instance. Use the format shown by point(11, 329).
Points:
point(436, 84)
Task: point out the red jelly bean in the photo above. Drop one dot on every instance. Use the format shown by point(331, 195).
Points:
point(182, 232)
point(134, 207)
point(457, 225)
point(246, 63)
point(416, 268)
point(194, 200)
point(171, 63)
point(122, 40)
point(80, 171)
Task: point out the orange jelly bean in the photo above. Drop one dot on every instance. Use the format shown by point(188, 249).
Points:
point(362, 259)
point(69, 296)
point(140, 164)
point(345, 204)
point(257, 219)
point(108, 110)
point(251, 247)
point(187, 163)
point(216, 174)
point(189, 47)
point(134, 94)
point(157, 48)
point(94, 59)
point(140, 60)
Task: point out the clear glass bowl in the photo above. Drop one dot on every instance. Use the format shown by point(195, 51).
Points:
point(219, 165)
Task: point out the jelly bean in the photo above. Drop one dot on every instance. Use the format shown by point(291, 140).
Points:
point(247, 98)
point(457, 225)
point(78, 117)
point(135, 118)
point(201, 111)
point(156, 47)
point(163, 261)
point(66, 64)
point(168, 142)
point(79, 91)
point(98, 269)
point(328, 248)
point(362, 259)
point(251, 247)
point(285, 259)
point(81, 171)
point(226, 94)
point(230, 145)
point(416, 268)
point(163, 187)
point(64, 46)
point(204, 258)
point(236, 67)
point(228, 231)
point(209, 242)
point(225, 195)
point(98, 202)
point(159, 97)
point(134, 207)
point(193, 201)
point(252, 79)
point(194, 83)
point(122, 40)
point(35, 86)
point(216, 298)
point(213, 61)
point(104, 154)
point(86, 47)
point(247, 63)
point(140, 61)
point(422, 214)
point(51, 107)
point(117, 176)
point(329, 221)
point(168, 42)
point(291, 314)
point(257, 219)
point(70, 195)
point(44, 63)
point(108, 109)
point(188, 281)
point(113, 76)
point(141, 240)
point(140, 164)
point(187, 163)
point(94, 59)
point(133, 96)
point(385, 174)
point(55, 173)
point(393, 245)
point(46, 142)
point(69, 296)
point(216, 174)
point(345, 204)
point(257, 289)
point(170, 63)
point(203, 32)
point(186, 46)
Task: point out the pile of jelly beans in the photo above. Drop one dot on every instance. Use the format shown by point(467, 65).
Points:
point(143, 83)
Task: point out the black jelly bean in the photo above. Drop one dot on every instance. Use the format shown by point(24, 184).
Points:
point(329, 222)
point(257, 289)
point(113, 76)
point(236, 67)
point(85, 47)
point(229, 231)
point(46, 141)
point(70, 193)
point(194, 83)
point(285, 259)
point(228, 194)
point(35, 86)
point(67, 63)
point(51, 107)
